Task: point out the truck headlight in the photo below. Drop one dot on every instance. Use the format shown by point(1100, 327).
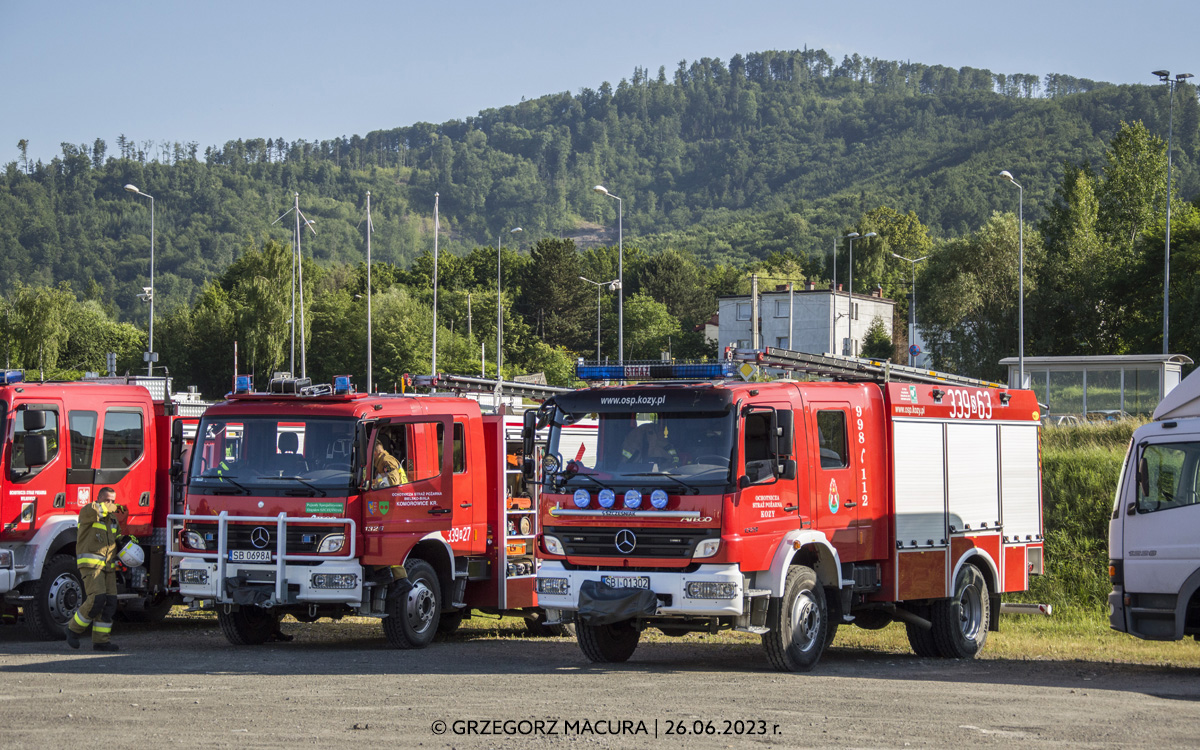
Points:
point(6, 558)
point(554, 586)
point(332, 543)
point(711, 590)
point(192, 540)
point(193, 576)
point(553, 546)
point(334, 580)
point(707, 548)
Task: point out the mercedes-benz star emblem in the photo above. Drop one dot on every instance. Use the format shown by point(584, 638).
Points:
point(625, 541)
point(260, 537)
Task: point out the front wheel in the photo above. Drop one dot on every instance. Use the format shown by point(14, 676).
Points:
point(247, 625)
point(605, 644)
point(799, 623)
point(960, 623)
point(413, 616)
point(56, 596)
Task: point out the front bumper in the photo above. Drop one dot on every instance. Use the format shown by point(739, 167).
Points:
point(301, 584)
point(8, 578)
point(670, 586)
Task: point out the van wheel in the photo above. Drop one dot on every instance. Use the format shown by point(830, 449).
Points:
point(57, 594)
point(605, 644)
point(413, 616)
point(799, 623)
point(960, 623)
point(247, 625)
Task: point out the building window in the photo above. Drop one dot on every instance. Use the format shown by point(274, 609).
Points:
point(743, 311)
point(781, 308)
point(781, 342)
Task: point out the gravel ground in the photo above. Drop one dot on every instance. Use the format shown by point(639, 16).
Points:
point(339, 685)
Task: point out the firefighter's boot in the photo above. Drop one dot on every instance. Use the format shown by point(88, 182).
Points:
point(105, 646)
point(72, 638)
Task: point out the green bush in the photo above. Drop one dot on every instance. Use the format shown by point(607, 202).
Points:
point(1080, 467)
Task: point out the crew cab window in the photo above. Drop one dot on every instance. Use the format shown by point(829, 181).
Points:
point(122, 444)
point(416, 446)
point(1172, 478)
point(82, 425)
point(831, 431)
point(19, 433)
point(460, 449)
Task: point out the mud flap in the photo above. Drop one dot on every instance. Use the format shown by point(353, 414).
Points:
point(604, 605)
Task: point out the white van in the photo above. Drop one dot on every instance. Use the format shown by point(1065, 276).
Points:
point(1154, 534)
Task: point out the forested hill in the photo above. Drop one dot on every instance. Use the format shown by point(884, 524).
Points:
point(774, 151)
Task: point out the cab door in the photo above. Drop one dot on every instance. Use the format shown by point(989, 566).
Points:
point(35, 490)
point(770, 476)
point(834, 486)
point(423, 500)
point(124, 464)
point(83, 426)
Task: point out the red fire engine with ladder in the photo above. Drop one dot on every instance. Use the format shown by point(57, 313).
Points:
point(789, 508)
point(63, 442)
point(292, 509)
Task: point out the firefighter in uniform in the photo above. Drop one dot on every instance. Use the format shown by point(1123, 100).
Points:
point(648, 443)
point(388, 472)
point(97, 543)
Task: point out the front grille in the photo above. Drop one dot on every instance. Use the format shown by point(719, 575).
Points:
point(590, 541)
point(301, 538)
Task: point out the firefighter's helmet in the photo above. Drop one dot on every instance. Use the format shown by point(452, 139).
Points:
point(132, 555)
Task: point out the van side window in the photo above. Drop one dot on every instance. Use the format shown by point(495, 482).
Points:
point(831, 431)
point(82, 425)
point(123, 439)
point(1173, 476)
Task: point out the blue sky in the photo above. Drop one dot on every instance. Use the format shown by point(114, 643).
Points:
point(216, 71)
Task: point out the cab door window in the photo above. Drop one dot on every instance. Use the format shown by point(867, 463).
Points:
point(50, 431)
point(757, 446)
point(83, 428)
point(831, 431)
point(123, 442)
point(1170, 477)
point(415, 447)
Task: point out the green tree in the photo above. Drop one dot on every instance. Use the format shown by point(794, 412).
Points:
point(553, 299)
point(877, 344)
point(649, 327)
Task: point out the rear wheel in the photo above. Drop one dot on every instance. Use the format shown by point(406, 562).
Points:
point(606, 644)
point(799, 623)
point(247, 625)
point(960, 623)
point(921, 639)
point(413, 616)
point(57, 595)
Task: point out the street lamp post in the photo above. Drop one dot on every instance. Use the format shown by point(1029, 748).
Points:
point(1165, 77)
point(620, 272)
point(599, 289)
point(500, 313)
point(370, 362)
point(850, 309)
point(1020, 278)
point(912, 305)
point(150, 355)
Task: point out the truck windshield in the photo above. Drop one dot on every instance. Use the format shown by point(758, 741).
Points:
point(263, 453)
point(695, 447)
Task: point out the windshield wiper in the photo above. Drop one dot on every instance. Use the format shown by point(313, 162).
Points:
point(320, 492)
point(589, 476)
point(242, 490)
point(691, 490)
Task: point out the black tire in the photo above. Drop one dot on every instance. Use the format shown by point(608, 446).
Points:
point(154, 611)
point(799, 623)
point(960, 623)
point(247, 625)
point(450, 621)
point(536, 626)
point(57, 594)
point(412, 618)
point(921, 639)
point(607, 644)
point(872, 619)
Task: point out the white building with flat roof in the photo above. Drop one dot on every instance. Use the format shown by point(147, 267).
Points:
point(805, 319)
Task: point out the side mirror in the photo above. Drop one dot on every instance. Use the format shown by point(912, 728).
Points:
point(787, 469)
point(176, 471)
point(528, 437)
point(35, 419)
point(36, 450)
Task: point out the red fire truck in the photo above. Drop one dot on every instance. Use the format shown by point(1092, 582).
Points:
point(788, 508)
point(62, 443)
point(288, 511)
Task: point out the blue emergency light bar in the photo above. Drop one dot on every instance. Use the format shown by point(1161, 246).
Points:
point(651, 371)
point(341, 384)
point(13, 376)
point(241, 384)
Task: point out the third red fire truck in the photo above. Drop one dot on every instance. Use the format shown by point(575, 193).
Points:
point(789, 508)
